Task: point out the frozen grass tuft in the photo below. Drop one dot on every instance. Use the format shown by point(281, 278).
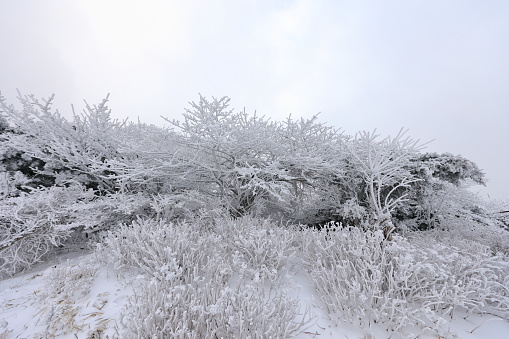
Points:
point(60, 310)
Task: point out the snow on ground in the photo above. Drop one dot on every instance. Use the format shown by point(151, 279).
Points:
point(73, 297)
point(34, 305)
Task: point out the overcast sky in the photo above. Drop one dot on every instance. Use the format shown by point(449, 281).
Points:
point(437, 67)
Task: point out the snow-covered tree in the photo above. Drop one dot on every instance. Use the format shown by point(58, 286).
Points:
point(252, 164)
point(383, 167)
point(442, 190)
point(70, 151)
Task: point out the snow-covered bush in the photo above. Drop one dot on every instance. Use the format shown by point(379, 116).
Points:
point(442, 191)
point(69, 150)
point(467, 273)
point(34, 224)
point(259, 248)
point(193, 290)
point(253, 165)
point(312, 156)
point(204, 307)
point(228, 154)
point(482, 229)
point(299, 170)
point(151, 244)
point(31, 225)
point(362, 278)
point(192, 206)
point(191, 197)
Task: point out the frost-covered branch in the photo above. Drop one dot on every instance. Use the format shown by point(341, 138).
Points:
point(383, 166)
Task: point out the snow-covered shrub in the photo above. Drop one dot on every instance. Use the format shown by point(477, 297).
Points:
point(467, 273)
point(74, 150)
point(36, 223)
point(18, 170)
point(151, 244)
point(230, 155)
point(260, 248)
point(441, 192)
point(346, 266)
point(252, 165)
point(191, 206)
point(201, 305)
point(193, 290)
point(361, 277)
point(312, 156)
point(480, 228)
point(33, 224)
point(107, 212)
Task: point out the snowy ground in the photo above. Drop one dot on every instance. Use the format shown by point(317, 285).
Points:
point(72, 297)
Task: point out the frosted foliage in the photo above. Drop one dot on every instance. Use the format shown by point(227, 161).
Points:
point(218, 159)
point(79, 147)
point(253, 165)
point(205, 308)
point(259, 250)
point(188, 208)
point(485, 231)
point(383, 165)
point(362, 278)
point(34, 224)
point(193, 288)
point(231, 154)
point(37, 223)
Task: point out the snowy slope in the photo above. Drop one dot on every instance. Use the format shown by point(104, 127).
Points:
point(73, 297)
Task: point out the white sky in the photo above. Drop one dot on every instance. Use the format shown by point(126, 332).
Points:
point(437, 67)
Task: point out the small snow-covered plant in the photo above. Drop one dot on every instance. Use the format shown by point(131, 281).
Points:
point(31, 225)
point(204, 307)
point(192, 290)
point(261, 248)
point(150, 245)
point(461, 274)
point(419, 280)
point(347, 267)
